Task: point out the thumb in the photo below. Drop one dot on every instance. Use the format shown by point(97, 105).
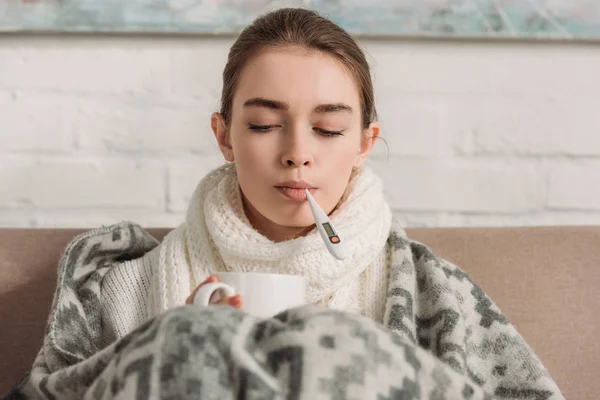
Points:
point(210, 279)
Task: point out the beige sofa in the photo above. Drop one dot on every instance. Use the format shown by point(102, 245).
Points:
point(545, 279)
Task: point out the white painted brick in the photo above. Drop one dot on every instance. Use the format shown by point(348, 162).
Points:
point(544, 218)
point(572, 218)
point(575, 187)
point(435, 185)
point(433, 67)
point(131, 127)
point(32, 125)
point(5, 97)
point(478, 133)
point(11, 218)
point(84, 66)
point(82, 184)
point(523, 125)
point(483, 220)
point(184, 177)
point(410, 125)
point(74, 218)
point(198, 70)
point(411, 219)
point(85, 219)
point(552, 68)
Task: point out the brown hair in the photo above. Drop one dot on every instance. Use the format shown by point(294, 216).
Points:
point(298, 27)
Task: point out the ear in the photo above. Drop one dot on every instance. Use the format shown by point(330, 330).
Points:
point(219, 128)
point(367, 141)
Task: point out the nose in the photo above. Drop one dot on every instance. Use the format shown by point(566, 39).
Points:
point(296, 151)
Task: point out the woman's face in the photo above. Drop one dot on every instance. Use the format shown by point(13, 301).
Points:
point(295, 122)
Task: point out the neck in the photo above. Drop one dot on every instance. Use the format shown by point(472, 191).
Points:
point(269, 229)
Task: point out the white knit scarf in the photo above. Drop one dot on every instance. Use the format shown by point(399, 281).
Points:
point(217, 236)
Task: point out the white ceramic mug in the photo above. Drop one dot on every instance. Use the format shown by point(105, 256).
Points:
point(263, 295)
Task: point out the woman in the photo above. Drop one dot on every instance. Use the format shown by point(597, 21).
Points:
point(297, 112)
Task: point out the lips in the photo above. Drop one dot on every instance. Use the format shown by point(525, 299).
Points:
point(294, 194)
point(295, 190)
point(295, 185)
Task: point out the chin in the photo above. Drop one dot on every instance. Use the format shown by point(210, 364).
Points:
point(297, 220)
point(289, 215)
point(285, 215)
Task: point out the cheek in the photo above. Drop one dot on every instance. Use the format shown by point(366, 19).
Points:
point(342, 156)
point(339, 169)
point(254, 164)
point(249, 150)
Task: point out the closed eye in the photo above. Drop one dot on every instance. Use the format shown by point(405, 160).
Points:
point(267, 128)
point(260, 128)
point(325, 132)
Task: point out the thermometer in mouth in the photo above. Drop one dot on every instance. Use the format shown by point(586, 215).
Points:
point(336, 246)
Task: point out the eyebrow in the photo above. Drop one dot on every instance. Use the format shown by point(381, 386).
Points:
point(331, 108)
point(280, 105)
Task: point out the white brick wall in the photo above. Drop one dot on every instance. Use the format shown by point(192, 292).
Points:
point(99, 129)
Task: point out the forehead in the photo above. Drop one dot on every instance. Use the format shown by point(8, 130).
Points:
point(299, 77)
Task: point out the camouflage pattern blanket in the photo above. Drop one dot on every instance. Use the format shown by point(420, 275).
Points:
point(442, 337)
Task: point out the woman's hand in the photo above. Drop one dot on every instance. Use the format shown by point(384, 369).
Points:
point(233, 301)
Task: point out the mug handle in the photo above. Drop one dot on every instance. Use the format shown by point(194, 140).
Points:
point(206, 291)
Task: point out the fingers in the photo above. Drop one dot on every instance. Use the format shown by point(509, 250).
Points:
point(233, 301)
point(210, 279)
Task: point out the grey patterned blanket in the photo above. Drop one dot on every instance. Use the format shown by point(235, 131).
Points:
point(443, 338)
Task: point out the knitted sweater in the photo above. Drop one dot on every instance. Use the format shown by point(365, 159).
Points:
point(216, 236)
point(126, 289)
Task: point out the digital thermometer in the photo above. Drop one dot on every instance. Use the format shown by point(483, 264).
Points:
point(334, 243)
